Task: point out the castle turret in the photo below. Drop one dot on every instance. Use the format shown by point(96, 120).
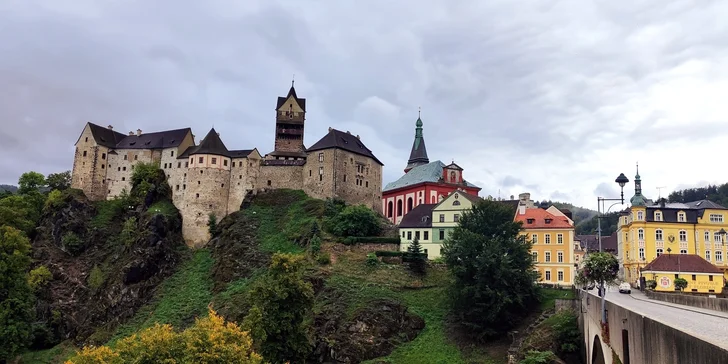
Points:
point(290, 120)
point(418, 155)
point(208, 186)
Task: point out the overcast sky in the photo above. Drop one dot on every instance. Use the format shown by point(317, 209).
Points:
point(555, 98)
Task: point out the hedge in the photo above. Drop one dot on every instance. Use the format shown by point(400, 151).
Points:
point(388, 253)
point(370, 240)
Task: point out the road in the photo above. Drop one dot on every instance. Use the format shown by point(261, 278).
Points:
point(708, 325)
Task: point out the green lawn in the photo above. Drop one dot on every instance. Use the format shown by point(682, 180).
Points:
point(549, 296)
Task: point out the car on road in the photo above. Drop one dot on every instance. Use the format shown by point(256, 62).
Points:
point(625, 288)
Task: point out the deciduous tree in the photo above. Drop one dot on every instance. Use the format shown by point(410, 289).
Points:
point(59, 181)
point(16, 300)
point(492, 265)
point(30, 181)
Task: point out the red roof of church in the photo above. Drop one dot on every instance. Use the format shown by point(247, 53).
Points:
point(536, 218)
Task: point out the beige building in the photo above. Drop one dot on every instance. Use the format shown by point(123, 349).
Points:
point(211, 179)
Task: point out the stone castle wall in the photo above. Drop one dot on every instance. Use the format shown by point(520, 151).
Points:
point(280, 176)
point(319, 174)
point(243, 178)
point(89, 170)
point(206, 193)
point(367, 172)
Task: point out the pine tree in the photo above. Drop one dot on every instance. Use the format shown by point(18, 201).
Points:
point(416, 257)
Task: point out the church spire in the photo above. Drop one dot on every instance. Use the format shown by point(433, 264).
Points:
point(638, 199)
point(418, 155)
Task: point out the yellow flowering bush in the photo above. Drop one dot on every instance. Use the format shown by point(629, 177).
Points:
point(210, 340)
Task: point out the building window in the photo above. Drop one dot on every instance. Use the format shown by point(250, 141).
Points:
point(534, 238)
point(186, 164)
point(693, 277)
point(426, 235)
point(417, 235)
point(321, 157)
point(658, 216)
point(707, 236)
point(409, 235)
point(642, 253)
point(659, 251)
point(683, 251)
point(560, 276)
point(559, 238)
point(165, 166)
point(547, 238)
point(184, 186)
point(103, 156)
point(197, 195)
point(179, 164)
point(86, 139)
point(171, 153)
point(442, 234)
point(716, 218)
point(177, 187)
point(717, 238)
point(683, 235)
point(214, 160)
point(640, 234)
point(710, 278)
point(136, 157)
point(118, 169)
point(84, 153)
point(366, 184)
point(224, 162)
point(403, 234)
point(456, 203)
point(102, 166)
point(535, 256)
point(456, 218)
point(123, 168)
point(639, 215)
point(658, 235)
point(718, 256)
point(681, 217)
point(560, 257)
point(548, 275)
point(126, 157)
point(707, 255)
point(442, 217)
point(548, 257)
point(123, 178)
point(202, 159)
point(399, 207)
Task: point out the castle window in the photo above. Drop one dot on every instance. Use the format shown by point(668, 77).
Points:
point(165, 166)
point(241, 164)
point(179, 164)
point(202, 159)
point(185, 175)
point(184, 187)
point(269, 183)
point(659, 251)
point(197, 195)
point(222, 185)
point(198, 182)
point(86, 139)
point(310, 173)
point(201, 172)
point(368, 186)
point(390, 208)
point(171, 153)
point(126, 157)
point(321, 157)
point(123, 178)
point(103, 155)
point(442, 234)
point(186, 164)
point(177, 187)
point(344, 178)
point(123, 168)
point(84, 153)
point(240, 177)
point(119, 169)
point(716, 218)
point(456, 218)
point(136, 157)
point(214, 160)
point(102, 166)
point(224, 162)
point(442, 217)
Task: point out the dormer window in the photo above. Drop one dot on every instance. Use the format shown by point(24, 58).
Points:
point(680, 216)
point(658, 216)
point(548, 221)
point(530, 221)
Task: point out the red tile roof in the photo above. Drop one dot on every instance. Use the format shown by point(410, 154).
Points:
point(689, 263)
point(535, 218)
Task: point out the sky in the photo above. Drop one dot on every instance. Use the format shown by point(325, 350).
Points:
point(555, 98)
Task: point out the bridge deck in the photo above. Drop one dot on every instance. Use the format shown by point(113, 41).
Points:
point(708, 325)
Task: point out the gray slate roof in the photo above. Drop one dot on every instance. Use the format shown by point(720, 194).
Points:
point(418, 217)
point(105, 136)
point(212, 144)
point(157, 140)
point(431, 172)
point(291, 92)
point(343, 140)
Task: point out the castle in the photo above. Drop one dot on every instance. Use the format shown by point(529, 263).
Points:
point(209, 178)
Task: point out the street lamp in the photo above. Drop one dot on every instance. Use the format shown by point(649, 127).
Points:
point(621, 180)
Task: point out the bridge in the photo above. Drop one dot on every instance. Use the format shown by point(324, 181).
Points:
point(644, 331)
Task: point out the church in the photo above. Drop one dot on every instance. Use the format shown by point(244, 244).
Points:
point(423, 182)
point(210, 178)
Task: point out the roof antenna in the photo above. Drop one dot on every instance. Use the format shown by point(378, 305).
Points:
point(659, 192)
point(293, 79)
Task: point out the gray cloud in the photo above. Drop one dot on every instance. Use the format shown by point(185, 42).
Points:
point(552, 98)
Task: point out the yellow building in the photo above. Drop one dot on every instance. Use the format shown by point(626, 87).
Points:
point(702, 277)
point(648, 230)
point(552, 235)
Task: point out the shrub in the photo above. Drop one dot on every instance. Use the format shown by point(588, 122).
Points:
point(96, 277)
point(651, 284)
point(372, 260)
point(54, 199)
point(212, 224)
point(39, 277)
point(72, 243)
point(680, 283)
point(164, 207)
point(323, 259)
point(370, 240)
point(129, 232)
point(355, 221)
point(538, 357)
point(315, 244)
point(566, 328)
point(333, 206)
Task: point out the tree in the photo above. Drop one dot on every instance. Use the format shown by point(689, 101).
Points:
point(281, 301)
point(417, 263)
point(212, 224)
point(59, 181)
point(209, 340)
point(16, 300)
point(599, 268)
point(495, 283)
point(16, 211)
point(30, 181)
point(355, 221)
point(681, 284)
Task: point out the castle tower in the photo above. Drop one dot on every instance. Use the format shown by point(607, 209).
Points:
point(418, 155)
point(638, 199)
point(208, 186)
point(290, 119)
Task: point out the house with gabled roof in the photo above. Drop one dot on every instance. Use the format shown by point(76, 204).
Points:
point(210, 179)
point(423, 182)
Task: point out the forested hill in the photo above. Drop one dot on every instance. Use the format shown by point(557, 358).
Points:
point(8, 188)
point(715, 193)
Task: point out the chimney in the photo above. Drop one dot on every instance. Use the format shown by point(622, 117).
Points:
point(521, 209)
point(512, 197)
point(357, 136)
point(111, 127)
point(662, 202)
point(348, 132)
point(139, 132)
point(131, 133)
point(330, 129)
point(218, 134)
